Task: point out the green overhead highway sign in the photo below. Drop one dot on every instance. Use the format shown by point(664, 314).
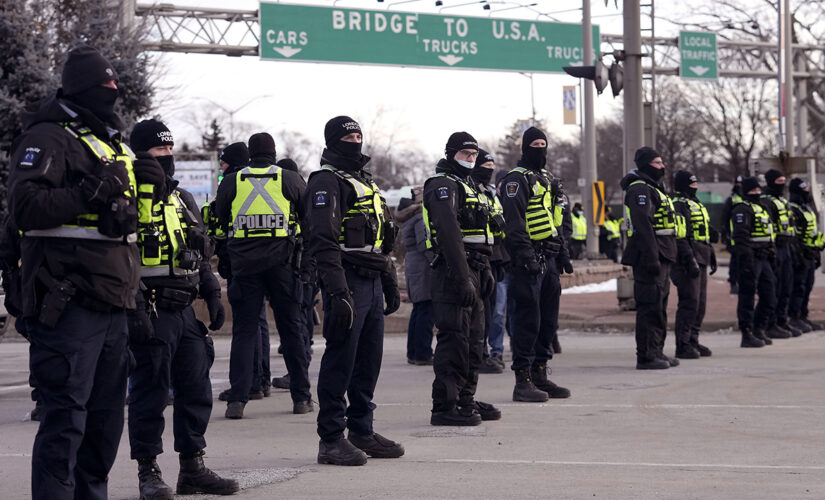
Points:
point(329, 34)
point(698, 54)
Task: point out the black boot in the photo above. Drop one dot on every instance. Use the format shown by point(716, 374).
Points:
point(749, 340)
point(703, 351)
point(542, 383)
point(150, 481)
point(525, 390)
point(194, 477)
point(788, 328)
point(687, 351)
point(800, 325)
point(813, 326)
point(486, 410)
point(759, 333)
point(376, 445)
point(340, 452)
point(777, 333)
point(281, 382)
point(654, 364)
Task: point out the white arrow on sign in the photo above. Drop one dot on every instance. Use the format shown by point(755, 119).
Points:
point(699, 70)
point(286, 51)
point(451, 60)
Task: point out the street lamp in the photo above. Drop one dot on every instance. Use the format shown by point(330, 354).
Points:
point(439, 3)
point(232, 112)
point(389, 6)
point(487, 6)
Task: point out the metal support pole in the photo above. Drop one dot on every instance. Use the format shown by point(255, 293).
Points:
point(789, 83)
point(802, 129)
point(589, 145)
point(127, 13)
point(633, 125)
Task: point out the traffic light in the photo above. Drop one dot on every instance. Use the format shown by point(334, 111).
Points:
point(601, 75)
point(598, 73)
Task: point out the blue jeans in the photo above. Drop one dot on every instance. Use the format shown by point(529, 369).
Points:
point(495, 331)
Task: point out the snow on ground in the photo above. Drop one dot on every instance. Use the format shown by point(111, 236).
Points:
point(604, 286)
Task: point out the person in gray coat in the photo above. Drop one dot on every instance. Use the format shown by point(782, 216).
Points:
point(417, 271)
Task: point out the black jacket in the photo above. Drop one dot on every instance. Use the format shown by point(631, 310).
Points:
point(323, 225)
point(254, 255)
point(44, 192)
point(642, 201)
point(742, 219)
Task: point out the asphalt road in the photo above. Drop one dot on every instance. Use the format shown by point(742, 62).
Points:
point(743, 424)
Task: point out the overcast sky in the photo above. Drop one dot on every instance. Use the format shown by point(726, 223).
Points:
point(422, 106)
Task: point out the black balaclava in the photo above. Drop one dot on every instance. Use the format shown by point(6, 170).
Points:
point(532, 157)
point(343, 154)
point(262, 148)
point(236, 155)
point(287, 164)
point(84, 73)
point(682, 181)
point(749, 183)
point(457, 142)
point(771, 186)
point(643, 157)
point(481, 174)
point(797, 190)
point(149, 134)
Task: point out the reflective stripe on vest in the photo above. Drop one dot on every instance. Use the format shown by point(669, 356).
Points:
point(699, 220)
point(369, 204)
point(473, 216)
point(495, 210)
point(540, 215)
point(613, 228)
point(85, 226)
point(580, 227)
point(260, 209)
point(762, 229)
point(162, 234)
point(812, 237)
point(665, 222)
point(783, 225)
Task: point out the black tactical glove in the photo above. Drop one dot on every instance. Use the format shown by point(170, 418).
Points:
point(140, 326)
point(713, 264)
point(692, 268)
point(148, 171)
point(392, 297)
point(216, 312)
point(109, 181)
point(568, 267)
point(532, 267)
point(488, 282)
point(466, 293)
point(342, 315)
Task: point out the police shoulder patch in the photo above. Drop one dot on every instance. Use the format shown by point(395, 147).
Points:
point(511, 188)
point(320, 199)
point(442, 193)
point(740, 218)
point(641, 200)
point(29, 157)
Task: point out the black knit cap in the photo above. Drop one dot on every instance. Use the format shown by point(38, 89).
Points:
point(483, 157)
point(577, 206)
point(771, 176)
point(645, 155)
point(148, 134)
point(530, 135)
point(261, 144)
point(85, 68)
point(236, 155)
point(339, 127)
point(748, 183)
point(459, 141)
point(287, 164)
point(797, 185)
point(682, 180)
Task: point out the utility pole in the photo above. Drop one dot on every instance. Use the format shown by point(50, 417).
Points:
point(787, 37)
point(588, 170)
point(633, 114)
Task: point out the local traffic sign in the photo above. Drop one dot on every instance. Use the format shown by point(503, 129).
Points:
point(330, 34)
point(699, 55)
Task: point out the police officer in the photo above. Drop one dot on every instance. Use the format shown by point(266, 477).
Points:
point(774, 201)
point(533, 242)
point(734, 199)
point(752, 243)
point(612, 231)
point(578, 239)
point(457, 218)
point(482, 174)
point(72, 195)
point(171, 346)
point(651, 250)
point(690, 275)
point(810, 242)
point(350, 236)
point(261, 205)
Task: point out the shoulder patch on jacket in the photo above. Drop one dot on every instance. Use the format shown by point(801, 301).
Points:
point(29, 157)
point(442, 193)
point(320, 199)
point(511, 188)
point(641, 200)
point(740, 218)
